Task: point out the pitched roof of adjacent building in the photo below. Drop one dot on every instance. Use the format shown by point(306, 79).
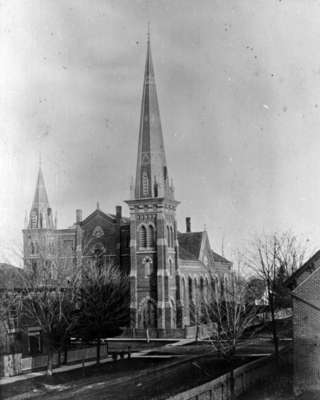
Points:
point(189, 245)
point(306, 269)
point(218, 258)
point(308, 291)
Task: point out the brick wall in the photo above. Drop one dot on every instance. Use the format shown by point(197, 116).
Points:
point(306, 330)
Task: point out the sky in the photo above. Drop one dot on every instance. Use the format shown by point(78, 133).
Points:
point(238, 86)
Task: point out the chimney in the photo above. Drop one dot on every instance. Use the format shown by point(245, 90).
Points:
point(118, 212)
point(78, 216)
point(188, 224)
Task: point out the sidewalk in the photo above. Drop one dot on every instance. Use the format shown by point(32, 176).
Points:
point(70, 367)
point(63, 368)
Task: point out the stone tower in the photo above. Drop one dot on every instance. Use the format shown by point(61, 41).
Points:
point(153, 228)
point(39, 238)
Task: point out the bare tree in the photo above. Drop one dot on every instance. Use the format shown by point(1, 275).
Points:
point(9, 319)
point(226, 310)
point(49, 304)
point(228, 315)
point(273, 258)
point(103, 303)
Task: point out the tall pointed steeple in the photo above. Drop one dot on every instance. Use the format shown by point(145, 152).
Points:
point(153, 226)
point(41, 213)
point(152, 173)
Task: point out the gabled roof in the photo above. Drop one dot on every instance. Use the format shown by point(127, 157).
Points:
point(184, 254)
point(308, 267)
point(219, 258)
point(194, 245)
point(189, 245)
point(109, 217)
point(308, 290)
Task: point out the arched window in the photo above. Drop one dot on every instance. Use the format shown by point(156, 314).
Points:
point(147, 267)
point(171, 236)
point(170, 267)
point(150, 236)
point(166, 288)
point(145, 184)
point(33, 219)
point(32, 248)
point(53, 271)
point(183, 292)
point(142, 237)
point(190, 291)
point(168, 236)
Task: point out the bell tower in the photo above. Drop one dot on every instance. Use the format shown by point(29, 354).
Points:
point(39, 238)
point(153, 228)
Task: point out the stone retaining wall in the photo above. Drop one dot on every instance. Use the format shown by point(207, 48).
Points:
point(220, 388)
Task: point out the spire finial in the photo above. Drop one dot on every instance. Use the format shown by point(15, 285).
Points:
point(40, 159)
point(98, 205)
point(148, 32)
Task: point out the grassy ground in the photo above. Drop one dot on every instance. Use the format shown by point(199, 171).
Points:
point(140, 378)
point(79, 377)
point(124, 380)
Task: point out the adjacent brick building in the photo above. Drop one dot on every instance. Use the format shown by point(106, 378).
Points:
point(305, 285)
point(167, 268)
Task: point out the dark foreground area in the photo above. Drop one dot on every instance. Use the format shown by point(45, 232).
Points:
point(124, 380)
point(159, 374)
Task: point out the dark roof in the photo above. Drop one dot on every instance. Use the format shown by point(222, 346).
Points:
point(10, 276)
point(124, 220)
point(185, 254)
point(189, 245)
point(218, 258)
point(308, 266)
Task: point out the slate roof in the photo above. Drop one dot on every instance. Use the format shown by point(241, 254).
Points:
point(308, 266)
point(189, 245)
point(184, 254)
point(124, 220)
point(219, 258)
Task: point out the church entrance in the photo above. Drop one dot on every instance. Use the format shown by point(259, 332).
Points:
point(147, 314)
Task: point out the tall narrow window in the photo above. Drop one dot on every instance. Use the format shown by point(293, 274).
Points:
point(145, 184)
point(142, 237)
point(33, 219)
point(150, 236)
point(170, 267)
point(147, 267)
point(171, 236)
point(168, 236)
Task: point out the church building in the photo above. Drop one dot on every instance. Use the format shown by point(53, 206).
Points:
point(168, 268)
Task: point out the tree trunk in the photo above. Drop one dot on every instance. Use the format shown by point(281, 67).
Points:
point(65, 354)
point(50, 362)
point(98, 349)
point(232, 385)
point(197, 332)
point(274, 327)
